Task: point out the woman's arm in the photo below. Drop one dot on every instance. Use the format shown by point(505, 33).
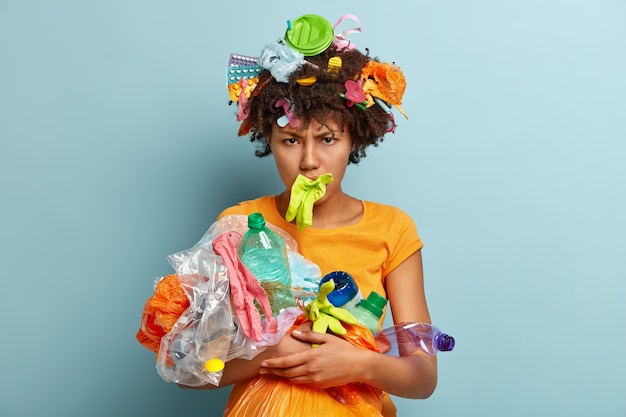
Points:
point(336, 362)
point(407, 298)
point(237, 370)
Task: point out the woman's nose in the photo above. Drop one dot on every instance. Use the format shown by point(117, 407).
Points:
point(309, 159)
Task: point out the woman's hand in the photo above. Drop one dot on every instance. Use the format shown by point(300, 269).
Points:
point(333, 363)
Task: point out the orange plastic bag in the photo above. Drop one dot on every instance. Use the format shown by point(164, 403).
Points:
point(161, 311)
point(268, 396)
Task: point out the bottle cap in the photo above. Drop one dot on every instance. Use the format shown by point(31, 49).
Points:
point(256, 221)
point(374, 303)
point(345, 288)
point(214, 365)
point(309, 34)
point(444, 342)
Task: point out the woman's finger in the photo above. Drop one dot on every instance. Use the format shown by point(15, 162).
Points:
point(310, 336)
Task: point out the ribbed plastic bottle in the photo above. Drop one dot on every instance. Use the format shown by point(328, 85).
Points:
point(346, 293)
point(369, 311)
point(264, 253)
point(405, 338)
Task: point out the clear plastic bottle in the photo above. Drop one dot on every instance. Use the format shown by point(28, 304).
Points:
point(264, 253)
point(369, 311)
point(346, 293)
point(405, 338)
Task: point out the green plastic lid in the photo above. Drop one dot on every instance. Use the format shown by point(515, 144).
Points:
point(374, 303)
point(256, 221)
point(309, 34)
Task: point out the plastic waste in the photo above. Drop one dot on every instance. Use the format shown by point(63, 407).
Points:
point(309, 34)
point(190, 321)
point(204, 331)
point(346, 293)
point(305, 274)
point(245, 290)
point(369, 311)
point(264, 253)
point(325, 316)
point(405, 338)
point(305, 278)
point(267, 396)
point(161, 311)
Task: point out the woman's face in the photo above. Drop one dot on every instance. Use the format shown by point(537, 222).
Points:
point(311, 151)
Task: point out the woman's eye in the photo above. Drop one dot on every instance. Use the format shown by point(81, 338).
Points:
point(329, 141)
point(290, 141)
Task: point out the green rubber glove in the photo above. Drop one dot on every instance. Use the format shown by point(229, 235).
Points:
point(304, 193)
point(326, 316)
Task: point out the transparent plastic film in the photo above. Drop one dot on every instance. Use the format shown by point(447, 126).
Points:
point(194, 351)
point(190, 323)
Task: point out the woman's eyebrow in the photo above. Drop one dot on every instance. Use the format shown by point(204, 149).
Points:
point(325, 132)
point(290, 132)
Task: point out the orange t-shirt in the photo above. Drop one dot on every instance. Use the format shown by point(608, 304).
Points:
point(368, 250)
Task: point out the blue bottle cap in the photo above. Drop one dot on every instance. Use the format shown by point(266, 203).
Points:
point(444, 342)
point(345, 288)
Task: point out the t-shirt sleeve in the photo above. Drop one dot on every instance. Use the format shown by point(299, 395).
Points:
point(236, 209)
point(405, 240)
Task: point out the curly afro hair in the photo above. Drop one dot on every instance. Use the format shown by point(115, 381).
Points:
point(320, 101)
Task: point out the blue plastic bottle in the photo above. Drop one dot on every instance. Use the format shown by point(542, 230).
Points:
point(404, 339)
point(264, 253)
point(346, 293)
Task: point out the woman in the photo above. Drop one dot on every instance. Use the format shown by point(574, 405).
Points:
point(316, 120)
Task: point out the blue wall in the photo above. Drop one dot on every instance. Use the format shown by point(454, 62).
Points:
point(117, 148)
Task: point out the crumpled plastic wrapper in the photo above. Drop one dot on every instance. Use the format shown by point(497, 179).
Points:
point(189, 321)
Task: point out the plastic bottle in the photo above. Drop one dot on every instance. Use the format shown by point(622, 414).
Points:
point(264, 253)
point(346, 293)
point(405, 338)
point(370, 310)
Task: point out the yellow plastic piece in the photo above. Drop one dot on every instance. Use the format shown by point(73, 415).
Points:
point(334, 65)
point(307, 81)
point(214, 365)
